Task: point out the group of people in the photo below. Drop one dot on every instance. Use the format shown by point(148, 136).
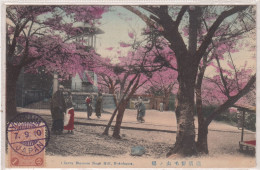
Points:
point(60, 106)
point(62, 110)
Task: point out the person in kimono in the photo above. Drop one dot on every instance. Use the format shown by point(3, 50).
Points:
point(99, 105)
point(58, 108)
point(70, 112)
point(140, 110)
point(89, 106)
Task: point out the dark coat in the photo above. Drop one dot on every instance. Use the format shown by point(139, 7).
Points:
point(58, 106)
point(141, 109)
point(98, 105)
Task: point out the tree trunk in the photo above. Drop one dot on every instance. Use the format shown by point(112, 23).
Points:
point(185, 137)
point(110, 122)
point(120, 104)
point(202, 142)
point(12, 74)
point(119, 118)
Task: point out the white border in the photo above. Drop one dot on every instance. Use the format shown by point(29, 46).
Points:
point(132, 2)
point(121, 2)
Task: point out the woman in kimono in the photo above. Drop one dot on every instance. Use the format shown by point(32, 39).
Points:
point(70, 111)
point(98, 105)
point(140, 110)
point(89, 106)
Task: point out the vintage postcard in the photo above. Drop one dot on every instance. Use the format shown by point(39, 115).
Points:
point(130, 85)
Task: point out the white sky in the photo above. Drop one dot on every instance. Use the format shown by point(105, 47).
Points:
point(118, 22)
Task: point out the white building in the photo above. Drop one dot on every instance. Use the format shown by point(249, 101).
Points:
point(88, 83)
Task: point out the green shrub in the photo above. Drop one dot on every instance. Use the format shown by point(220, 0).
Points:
point(250, 121)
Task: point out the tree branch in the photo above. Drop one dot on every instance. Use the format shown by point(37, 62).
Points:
point(232, 100)
point(180, 15)
point(151, 9)
point(146, 19)
point(222, 78)
point(213, 29)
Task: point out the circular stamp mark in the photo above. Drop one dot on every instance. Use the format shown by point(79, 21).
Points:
point(15, 161)
point(28, 134)
point(39, 161)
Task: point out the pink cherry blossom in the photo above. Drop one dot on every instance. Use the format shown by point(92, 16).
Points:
point(122, 44)
point(131, 35)
point(110, 48)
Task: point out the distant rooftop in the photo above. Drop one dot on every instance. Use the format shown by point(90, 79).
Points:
point(88, 29)
point(245, 108)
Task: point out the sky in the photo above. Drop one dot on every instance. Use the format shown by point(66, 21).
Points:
point(118, 22)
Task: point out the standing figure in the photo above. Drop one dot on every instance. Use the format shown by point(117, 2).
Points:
point(89, 106)
point(70, 111)
point(161, 107)
point(58, 107)
point(98, 105)
point(140, 110)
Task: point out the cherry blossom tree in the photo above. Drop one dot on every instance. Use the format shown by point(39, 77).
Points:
point(39, 36)
point(222, 90)
point(132, 72)
point(225, 43)
point(163, 83)
point(170, 20)
point(107, 78)
point(129, 77)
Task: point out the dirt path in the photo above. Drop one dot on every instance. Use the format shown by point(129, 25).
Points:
point(88, 141)
point(154, 119)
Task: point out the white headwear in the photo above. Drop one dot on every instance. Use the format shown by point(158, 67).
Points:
point(61, 87)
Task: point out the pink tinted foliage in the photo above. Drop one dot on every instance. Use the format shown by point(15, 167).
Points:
point(147, 30)
point(213, 90)
point(123, 44)
point(165, 79)
point(49, 39)
point(232, 110)
point(141, 61)
point(231, 66)
point(131, 35)
point(110, 48)
point(185, 31)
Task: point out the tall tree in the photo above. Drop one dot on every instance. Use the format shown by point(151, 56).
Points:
point(188, 57)
point(226, 42)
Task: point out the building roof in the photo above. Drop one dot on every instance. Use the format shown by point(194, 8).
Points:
point(88, 29)
point(246, 108)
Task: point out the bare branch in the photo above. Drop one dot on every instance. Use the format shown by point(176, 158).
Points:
point(146, 19)
point(223, 79)
point(232, 100)
point(151, 9)
point(213, 29)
